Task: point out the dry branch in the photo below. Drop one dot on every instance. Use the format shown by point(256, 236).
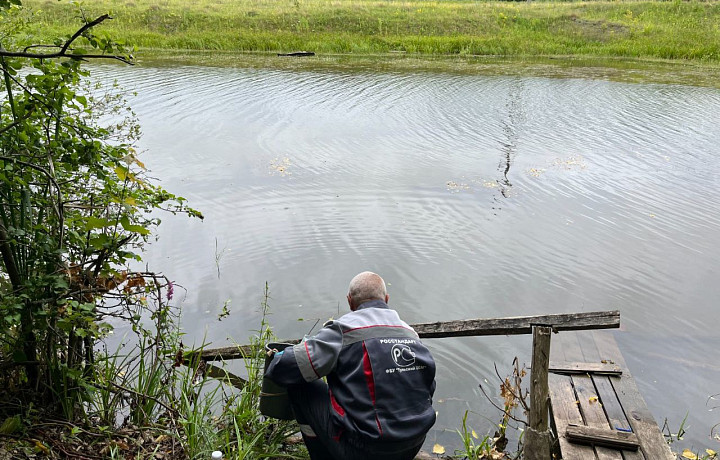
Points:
point(65, 50)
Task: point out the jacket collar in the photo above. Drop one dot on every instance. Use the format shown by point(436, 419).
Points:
point(372, 304)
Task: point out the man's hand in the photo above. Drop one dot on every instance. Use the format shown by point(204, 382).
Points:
point(274, 351)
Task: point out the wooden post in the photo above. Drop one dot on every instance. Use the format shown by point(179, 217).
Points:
point(537, 436)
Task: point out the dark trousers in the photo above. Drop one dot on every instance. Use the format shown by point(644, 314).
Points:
point(311, 404)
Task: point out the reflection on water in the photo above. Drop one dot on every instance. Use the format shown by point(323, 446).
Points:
point(474, 196)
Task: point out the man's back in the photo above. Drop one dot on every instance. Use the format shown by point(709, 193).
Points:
point(383, 382)
point(377, 402)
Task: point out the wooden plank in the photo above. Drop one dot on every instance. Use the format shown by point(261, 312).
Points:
point(571, 347)
point(602, 437)
point(584, 368)
point(557, 347)
point(566, 412)
point(588, 348)
point(466, 328)
point(519, 324)
point(614, 411)
point(593, 413)
point(581, 345)
point(652, 442)
point(225, 376)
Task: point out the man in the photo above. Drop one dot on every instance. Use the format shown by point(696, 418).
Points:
point(377, 403)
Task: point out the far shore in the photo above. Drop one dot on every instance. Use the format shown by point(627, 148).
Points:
point(685, 32)
point(626, 70)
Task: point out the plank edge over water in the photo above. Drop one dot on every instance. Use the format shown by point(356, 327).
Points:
point(469, 327)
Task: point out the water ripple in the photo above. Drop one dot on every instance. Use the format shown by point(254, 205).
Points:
point(475, 196)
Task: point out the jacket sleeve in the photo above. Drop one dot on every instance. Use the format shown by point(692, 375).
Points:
point(309, 360)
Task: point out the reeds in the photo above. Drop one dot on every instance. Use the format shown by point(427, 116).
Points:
point(158, 387)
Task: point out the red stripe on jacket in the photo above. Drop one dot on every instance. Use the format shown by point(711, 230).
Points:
point(370, 381)
point(310, 359)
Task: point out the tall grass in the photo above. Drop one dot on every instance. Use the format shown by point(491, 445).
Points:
point(624, 28)
point(158, 387)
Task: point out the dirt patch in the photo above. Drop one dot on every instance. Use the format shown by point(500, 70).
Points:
point(602, 31)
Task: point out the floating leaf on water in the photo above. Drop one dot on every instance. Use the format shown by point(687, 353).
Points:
point(280, 166)
point(687, 453)
point(438, 449)
point(535, 172)
point(572, 162)
point(457, 186)
point(711, 453)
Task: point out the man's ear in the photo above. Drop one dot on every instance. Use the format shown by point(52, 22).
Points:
point(387, 297)
point(350, 303)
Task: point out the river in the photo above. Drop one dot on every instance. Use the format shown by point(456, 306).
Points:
point(472, 195)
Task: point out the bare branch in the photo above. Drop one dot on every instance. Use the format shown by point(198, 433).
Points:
point(80, 31)
point(133, 392)
point(65, 50)
point(500, 408)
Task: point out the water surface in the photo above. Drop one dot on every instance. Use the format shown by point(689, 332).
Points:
point(473, 195)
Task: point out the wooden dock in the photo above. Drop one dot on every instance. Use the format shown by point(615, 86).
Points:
point(597, 410)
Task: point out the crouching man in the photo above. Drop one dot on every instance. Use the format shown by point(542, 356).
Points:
point(377, 403)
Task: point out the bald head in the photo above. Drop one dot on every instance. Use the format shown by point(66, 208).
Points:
point(364, 287)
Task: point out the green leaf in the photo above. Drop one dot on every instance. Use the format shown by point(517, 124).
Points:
point(121, 172)
point(125, 222)
point(5, 4)
point(92, 223)
point(99, 241)
point(11, 425)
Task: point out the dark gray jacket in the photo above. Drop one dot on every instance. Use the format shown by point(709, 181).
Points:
point(380, 376)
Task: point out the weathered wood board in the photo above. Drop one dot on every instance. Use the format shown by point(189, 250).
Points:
point(470, 327)
point(605, 402)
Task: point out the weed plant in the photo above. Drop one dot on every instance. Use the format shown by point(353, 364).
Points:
point(217, 418)
point(158, 398)
point(636, 29)
point(471, 449)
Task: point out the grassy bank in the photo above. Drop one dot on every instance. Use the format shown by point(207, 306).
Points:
point(635, 29)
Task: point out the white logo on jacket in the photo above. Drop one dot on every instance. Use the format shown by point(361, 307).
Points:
point(402, 355)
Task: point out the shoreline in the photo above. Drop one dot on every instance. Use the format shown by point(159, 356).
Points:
point(617, 69)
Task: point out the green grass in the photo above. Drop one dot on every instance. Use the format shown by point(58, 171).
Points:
point(634, 29)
